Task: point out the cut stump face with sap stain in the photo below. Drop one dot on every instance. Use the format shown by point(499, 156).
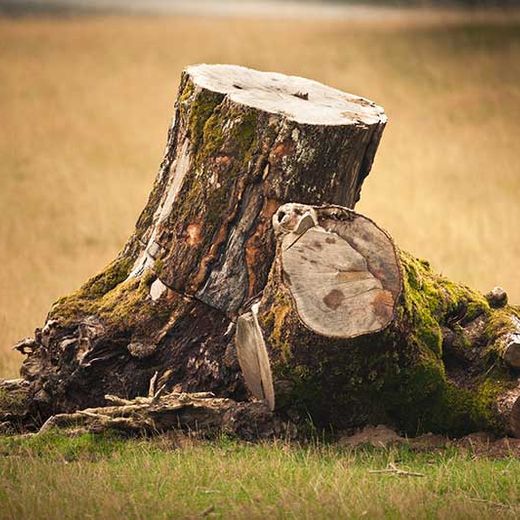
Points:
point(343, 274)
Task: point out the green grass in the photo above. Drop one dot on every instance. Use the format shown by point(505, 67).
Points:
point(104, 477)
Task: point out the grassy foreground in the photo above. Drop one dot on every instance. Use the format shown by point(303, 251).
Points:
point(99, 477)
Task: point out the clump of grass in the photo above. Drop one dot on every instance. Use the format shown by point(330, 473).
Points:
point(55, 446)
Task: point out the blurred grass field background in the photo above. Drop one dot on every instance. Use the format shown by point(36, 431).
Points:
point(85, 103)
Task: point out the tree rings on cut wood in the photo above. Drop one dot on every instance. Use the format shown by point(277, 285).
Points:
point(342, 272)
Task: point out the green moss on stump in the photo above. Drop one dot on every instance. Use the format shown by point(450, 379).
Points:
point(187, 92)
point(238, 144)
point(119, 301)
point(124, 305)
point(201, 109)
point(426, 400)
point(397, 376)
point(104, 282)
point(500, 322)
point(429, 300)
point(210, 144)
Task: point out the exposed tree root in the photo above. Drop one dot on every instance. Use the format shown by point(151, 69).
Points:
point(202, 413)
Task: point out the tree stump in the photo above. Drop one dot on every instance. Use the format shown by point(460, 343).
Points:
point(242, 142)
point(249, 274)
point(352, 331)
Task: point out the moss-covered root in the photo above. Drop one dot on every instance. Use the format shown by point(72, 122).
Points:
point(458, 330)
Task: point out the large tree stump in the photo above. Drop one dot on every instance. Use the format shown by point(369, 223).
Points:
point(247, 265)
point(241, 143)
point(352, 331)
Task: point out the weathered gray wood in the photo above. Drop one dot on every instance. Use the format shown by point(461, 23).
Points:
point(509, 341)
point(253, 357)
point(512, 352)
point(197, 413)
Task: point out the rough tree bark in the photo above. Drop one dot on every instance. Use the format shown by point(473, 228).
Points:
point(246, 265)
point(241, 143)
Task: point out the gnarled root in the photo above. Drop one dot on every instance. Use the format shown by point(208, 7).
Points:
point(202, 413)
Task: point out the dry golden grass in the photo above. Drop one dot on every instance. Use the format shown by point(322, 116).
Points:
point(85, 104)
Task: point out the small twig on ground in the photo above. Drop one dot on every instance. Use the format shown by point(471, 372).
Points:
point(394, 470)
point(119, 401)
point(208, 511)
point(94, 415)
point(491, 503)
point(151, 387)
point(158, 393)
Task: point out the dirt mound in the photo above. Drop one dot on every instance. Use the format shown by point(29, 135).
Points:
point(480, 444)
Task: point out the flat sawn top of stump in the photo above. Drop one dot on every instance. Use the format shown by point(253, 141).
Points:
point(299, 99)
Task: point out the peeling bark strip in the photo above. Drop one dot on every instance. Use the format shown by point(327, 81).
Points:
point(253, 357)
point(352, 331)
point(241, 143)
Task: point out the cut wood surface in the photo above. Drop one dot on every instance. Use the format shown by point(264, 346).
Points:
point(343, 273)
point(281, 94)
